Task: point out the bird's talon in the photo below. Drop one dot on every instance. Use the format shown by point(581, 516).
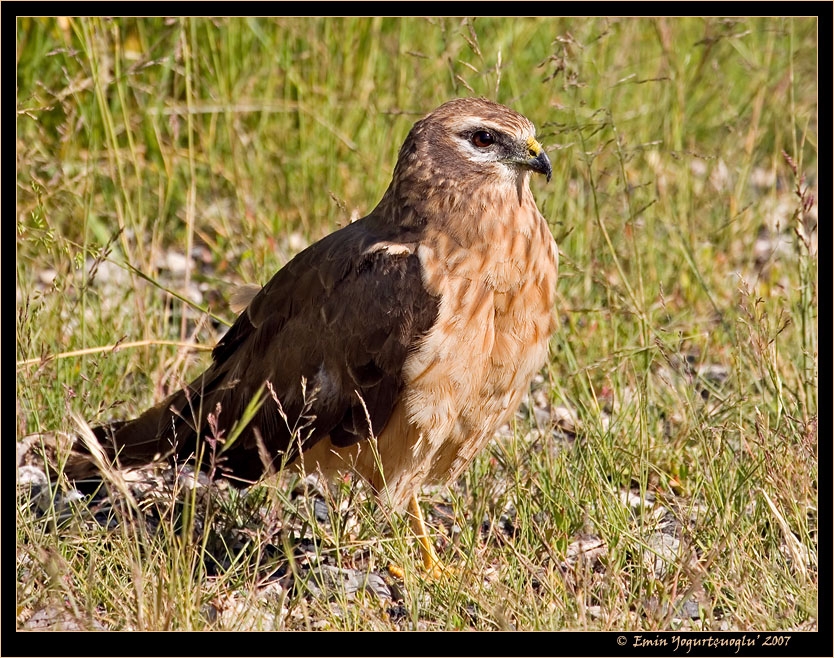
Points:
point(396, 571)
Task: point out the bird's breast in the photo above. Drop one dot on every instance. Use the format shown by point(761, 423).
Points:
point(470, 371)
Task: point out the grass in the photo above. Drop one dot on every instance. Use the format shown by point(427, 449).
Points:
point(683, 201)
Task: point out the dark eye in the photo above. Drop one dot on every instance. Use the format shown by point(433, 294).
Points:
point(482, 139)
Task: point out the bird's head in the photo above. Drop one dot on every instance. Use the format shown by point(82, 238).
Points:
point(491, 138)
point(473, 140)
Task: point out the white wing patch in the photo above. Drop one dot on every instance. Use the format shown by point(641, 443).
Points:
point(390, 248)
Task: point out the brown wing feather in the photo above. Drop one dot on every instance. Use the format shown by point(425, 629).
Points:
point(343, 314)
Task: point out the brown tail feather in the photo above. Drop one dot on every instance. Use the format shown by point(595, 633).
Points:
point(127, 443)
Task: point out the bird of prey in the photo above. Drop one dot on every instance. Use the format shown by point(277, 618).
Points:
point(396, 346)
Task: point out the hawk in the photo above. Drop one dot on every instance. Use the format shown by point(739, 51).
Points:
point(396, 346)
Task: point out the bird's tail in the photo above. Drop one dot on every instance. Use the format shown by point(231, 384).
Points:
point(124, 444)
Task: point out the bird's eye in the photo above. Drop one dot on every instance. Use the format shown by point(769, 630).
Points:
point(482, 139)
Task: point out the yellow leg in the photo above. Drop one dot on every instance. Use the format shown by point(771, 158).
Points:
point(431, 563)
point(430, 560)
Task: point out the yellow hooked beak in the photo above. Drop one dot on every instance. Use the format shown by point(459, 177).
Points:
point(538, 160)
